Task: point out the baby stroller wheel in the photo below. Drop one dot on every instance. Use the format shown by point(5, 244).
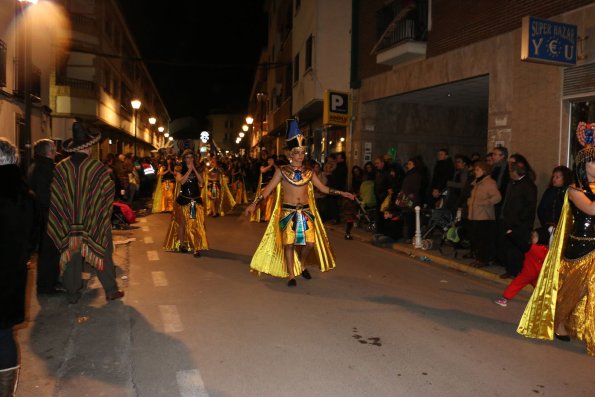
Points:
point(426, 244)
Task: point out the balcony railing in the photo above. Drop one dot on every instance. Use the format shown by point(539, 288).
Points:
point(412, 26)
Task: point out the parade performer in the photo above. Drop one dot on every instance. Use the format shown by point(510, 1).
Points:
point(295, 221)
point(265, 208)
point(217, 198)
point(563, 302)
point(80, 213)
point(163, 198)
point(238, 183)
point(186, 232)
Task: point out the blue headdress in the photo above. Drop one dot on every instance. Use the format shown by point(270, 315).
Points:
point(295, 138)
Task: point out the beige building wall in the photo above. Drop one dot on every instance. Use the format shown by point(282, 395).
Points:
point(329, 23)
point(525, 110)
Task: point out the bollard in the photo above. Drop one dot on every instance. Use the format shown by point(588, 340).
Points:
point(417, 237)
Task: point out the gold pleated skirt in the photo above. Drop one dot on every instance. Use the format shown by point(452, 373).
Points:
point(194, 233)
point(167, 196)
point(576, 299)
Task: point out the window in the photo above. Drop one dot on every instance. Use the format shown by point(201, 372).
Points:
point(308, 53)
point(296, 68)
point(2, 64)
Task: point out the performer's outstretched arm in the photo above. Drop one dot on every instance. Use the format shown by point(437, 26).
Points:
point(327, 190)
point(266, 192)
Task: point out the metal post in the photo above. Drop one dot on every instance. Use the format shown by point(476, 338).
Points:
point(417, 237)
point(135, 128)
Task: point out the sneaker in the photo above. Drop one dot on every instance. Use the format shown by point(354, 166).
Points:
point(348, 237)
point(502, 302)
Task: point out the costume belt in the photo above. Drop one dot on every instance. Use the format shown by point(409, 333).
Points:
point(300, 215)
point(214, 187)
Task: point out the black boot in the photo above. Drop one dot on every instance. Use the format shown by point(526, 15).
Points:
point(8, 382)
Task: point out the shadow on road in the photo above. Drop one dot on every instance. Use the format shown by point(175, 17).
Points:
point(459, 320)
point(218, 254)
point(92, 350)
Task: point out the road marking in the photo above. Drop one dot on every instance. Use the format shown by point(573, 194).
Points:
point(153, 255)
point(190, 384)
point(142, 220)
point(149, 240)
point(145, 229)
point(170, 319)
point(159, 279)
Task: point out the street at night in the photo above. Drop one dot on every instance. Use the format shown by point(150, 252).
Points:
point(380, 324)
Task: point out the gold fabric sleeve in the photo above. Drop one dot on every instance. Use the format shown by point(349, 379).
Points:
point(538, 318)
point(269, 256)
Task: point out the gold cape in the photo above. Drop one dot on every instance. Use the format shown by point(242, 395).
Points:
point(538, 318)
point(157, 196)
point(269, 257)
point(226, 202)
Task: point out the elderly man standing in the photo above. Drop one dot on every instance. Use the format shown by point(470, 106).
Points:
point(80, 215)
point(39, 178)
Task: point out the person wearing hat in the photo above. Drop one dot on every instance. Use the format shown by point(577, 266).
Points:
point(295, 222)
point(79, 224)
point(563, 303)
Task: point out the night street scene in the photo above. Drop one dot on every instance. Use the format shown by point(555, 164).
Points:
point(297, 198)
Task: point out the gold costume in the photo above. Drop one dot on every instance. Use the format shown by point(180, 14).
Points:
point(269, 257)
point(265, 208)
point(216, 190)
point(240, 195)
point(566, 288)
point(297, 224)
point(189, 214)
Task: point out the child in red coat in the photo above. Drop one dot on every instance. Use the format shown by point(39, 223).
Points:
point(531, 266)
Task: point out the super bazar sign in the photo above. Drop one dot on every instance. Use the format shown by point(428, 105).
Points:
point(546, 41)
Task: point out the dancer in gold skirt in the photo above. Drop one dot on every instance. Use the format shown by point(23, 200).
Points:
point(216, 196)
point(265, 208)
point(186, 232)
point(163, 198)
point(563, 302)
point(295, 221)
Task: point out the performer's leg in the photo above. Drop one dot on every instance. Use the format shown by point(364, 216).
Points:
point(179, 214)
point(72, 277)
point(304, 254)
point(289, 252)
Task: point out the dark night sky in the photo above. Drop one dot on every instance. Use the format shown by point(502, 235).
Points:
point(201, 54)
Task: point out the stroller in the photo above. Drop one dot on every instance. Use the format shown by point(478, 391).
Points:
point(122, 216)
point(443, 218)
point(365, 217)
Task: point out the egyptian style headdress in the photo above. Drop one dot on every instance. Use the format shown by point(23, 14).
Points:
point(584, 135)
point(295, 138)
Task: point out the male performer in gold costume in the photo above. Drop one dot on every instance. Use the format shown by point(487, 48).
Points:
point(217, 198)
point(295, 221)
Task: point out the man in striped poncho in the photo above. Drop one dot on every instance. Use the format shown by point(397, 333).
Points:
point(82, 194)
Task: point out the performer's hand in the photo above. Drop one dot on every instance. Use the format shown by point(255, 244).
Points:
point(348, 195)
point(249, 209)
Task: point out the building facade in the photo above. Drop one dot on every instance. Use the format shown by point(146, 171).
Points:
point(437, 74)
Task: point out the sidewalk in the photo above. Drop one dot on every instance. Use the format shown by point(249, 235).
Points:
point(448, 258)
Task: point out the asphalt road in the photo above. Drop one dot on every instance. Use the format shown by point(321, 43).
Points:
point(381, 324)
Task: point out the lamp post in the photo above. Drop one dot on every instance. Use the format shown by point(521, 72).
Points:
point(249, 122)
point(135, 106)
point(152, 122)
point(27, 67)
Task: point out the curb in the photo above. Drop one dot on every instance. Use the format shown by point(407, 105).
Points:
point(429, 257)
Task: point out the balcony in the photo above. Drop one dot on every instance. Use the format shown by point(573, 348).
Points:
point(401, 32)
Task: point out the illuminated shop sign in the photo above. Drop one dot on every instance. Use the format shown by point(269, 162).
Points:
point(546, 41)
point(337, 108)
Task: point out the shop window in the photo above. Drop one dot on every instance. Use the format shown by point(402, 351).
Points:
point(580, 112)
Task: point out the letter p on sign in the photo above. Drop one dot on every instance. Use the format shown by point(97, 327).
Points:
point(337, 102)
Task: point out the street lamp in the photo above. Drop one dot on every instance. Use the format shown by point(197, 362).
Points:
point(241, 134)
point(161, 129)
point(152, 120)
point(249, 120)
point(245, 127)
point(27, 67)
point(135, 106)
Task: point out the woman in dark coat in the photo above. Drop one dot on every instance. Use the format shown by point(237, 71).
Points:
point(19, 232)
point(550, 205)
